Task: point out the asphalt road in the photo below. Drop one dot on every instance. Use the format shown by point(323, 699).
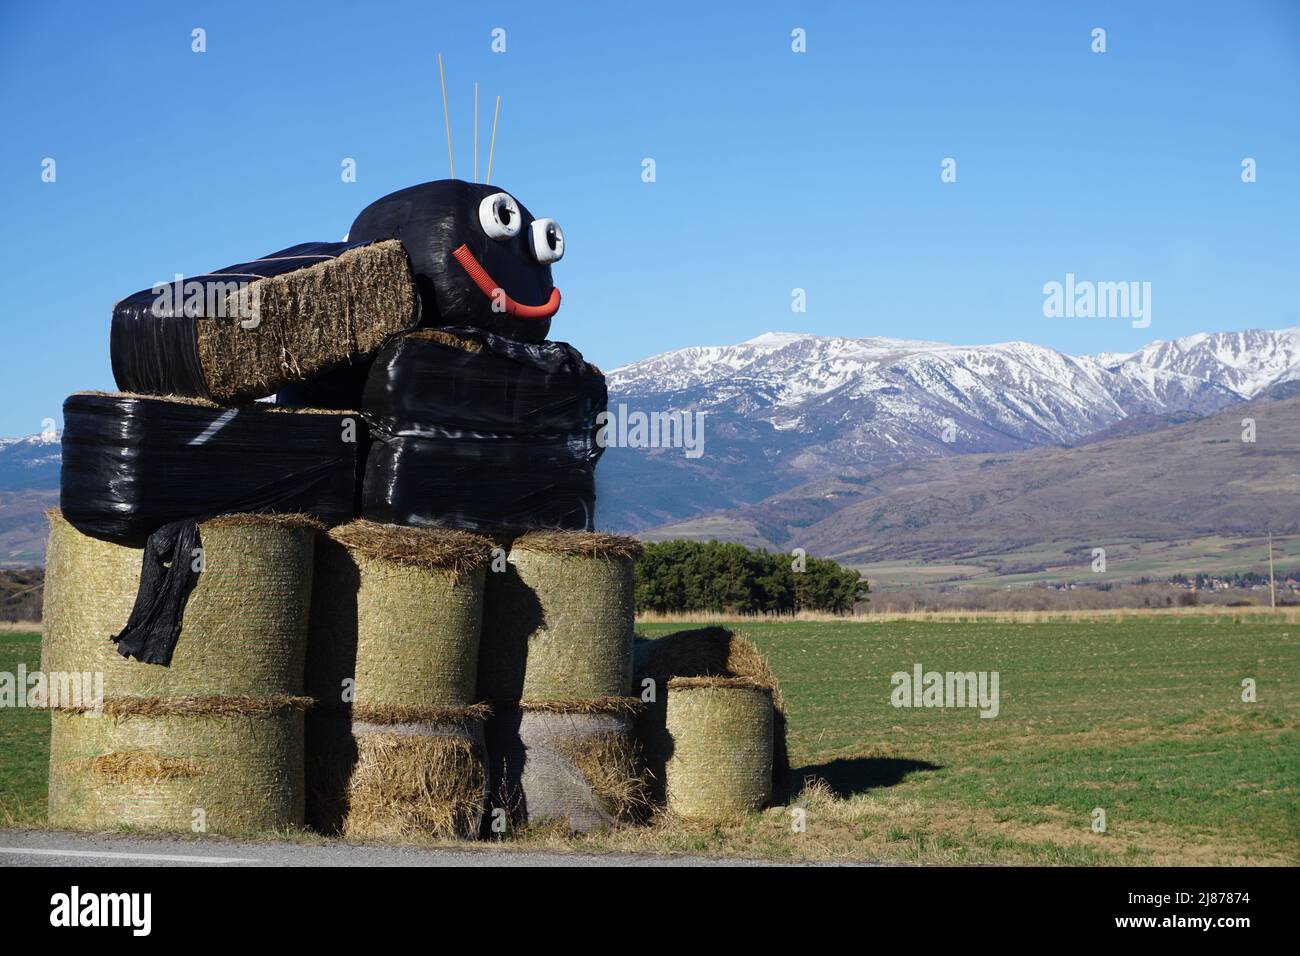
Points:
point(54, 848)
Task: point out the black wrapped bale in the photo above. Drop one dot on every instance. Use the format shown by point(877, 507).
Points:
point(482, 433)
point(470, 379)
point(132, 463)
point(480, 483)
point(246, 331)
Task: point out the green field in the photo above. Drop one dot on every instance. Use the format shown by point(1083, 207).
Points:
point(24, 740)
point(1140, 716)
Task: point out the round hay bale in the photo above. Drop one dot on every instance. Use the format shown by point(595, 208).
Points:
point(576, 762)
point(558, 620)
point(398, 609)
point(245, 626)
point(234, 764)
point(707, 652)
point(719, 736)
point(381, 773)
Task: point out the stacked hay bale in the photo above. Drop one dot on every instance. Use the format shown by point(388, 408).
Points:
point(214, 741)
point(714, 736)
point(556, 662)
point(264, 324)
point(396, 747)
point(184, 539)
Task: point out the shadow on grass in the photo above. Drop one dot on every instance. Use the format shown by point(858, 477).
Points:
point(849, 775)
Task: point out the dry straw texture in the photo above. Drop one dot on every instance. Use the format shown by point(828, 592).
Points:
point(395, 780)
point(398, 609)
point(710, 652)
point(245, 626)
point(720, 762)
point(308, 321)
point(581, 768)
point(244, 771)
point(557, 623)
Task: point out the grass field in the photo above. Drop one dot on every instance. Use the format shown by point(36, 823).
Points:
point(1139, 715)
point(1128, 560)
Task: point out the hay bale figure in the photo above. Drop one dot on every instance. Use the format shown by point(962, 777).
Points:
point(398, 610)
point(704, 652)
point(227, 764)
point(392, 772)
point(570, 761)
point(558, 621)
point(244, 630)
point(719, 761)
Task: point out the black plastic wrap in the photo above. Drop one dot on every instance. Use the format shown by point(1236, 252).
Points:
point(476, 431)
point(153, 341)
point(340, 388)
point(478, 482)
point(468, 378)
point(432, 220)
point(134, 463)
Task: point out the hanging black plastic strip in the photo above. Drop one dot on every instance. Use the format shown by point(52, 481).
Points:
point(134, 463)
point(167, 576)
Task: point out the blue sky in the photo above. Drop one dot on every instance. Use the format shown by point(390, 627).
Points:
point(775, 170)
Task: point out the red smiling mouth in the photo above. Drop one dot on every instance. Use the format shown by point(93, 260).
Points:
point(490, 289)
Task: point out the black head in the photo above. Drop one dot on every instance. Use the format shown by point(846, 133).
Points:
point(480, 258)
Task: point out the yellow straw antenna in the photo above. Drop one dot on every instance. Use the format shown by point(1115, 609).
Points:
point(475, 132)
point(493, 145)
point(446, 116)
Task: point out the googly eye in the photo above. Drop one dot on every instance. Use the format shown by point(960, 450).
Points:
point(547, 240)
point(499, 216)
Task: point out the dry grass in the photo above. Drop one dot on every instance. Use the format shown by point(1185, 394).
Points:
point(409, 714)
point(259, 520)
point(453, 340)
point(143, 766)
point(200, 707)
point(406, 785)
point(579, 544)
point(429, 548)
point(1286, 615)
point(600, 705)
point(696, 683)
point(612, 766)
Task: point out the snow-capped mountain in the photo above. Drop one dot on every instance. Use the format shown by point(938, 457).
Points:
point(1247, 362)
point(31, 462)
point(785, 408)
point(1023, 392)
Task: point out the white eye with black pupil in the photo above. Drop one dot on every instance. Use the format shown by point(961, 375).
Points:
point(498, 214)
point(547, 240)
